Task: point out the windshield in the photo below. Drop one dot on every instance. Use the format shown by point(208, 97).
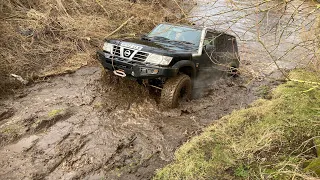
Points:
point(177, 33)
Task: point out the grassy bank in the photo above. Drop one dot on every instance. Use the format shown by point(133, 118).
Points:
point(272, 139)
point(43, 38)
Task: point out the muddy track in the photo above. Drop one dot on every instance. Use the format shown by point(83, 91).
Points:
point(90, 125)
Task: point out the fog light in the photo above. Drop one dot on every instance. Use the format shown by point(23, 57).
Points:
point(149, 71)
point(153, 71)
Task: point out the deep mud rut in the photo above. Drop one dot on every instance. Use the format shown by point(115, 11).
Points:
point(90, 125)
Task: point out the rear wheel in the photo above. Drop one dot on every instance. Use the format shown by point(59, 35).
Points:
point(176, 90)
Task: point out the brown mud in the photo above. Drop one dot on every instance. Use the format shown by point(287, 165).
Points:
point(92, 125)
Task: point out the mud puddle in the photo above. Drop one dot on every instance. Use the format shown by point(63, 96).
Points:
point(90, 125)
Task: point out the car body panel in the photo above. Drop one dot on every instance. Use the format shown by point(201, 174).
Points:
point(222, 53)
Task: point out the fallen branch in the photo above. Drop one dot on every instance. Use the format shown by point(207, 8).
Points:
point(121, 26)
point(307, 82)
point(20, 79)
point(317, 84)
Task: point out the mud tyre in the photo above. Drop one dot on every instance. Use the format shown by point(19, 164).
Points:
point(176, 90)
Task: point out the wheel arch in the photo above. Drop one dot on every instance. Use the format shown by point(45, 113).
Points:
point(187, 67)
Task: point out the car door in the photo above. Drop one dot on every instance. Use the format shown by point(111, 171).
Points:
point(226, 52)
point(208, 57)
point(207, 65)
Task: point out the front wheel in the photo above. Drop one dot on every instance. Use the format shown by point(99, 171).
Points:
point(176, 90)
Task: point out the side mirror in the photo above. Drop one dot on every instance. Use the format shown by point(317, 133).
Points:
point(143, 36)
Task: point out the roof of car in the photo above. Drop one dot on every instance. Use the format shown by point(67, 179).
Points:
point(189, 26)
point(198, 27)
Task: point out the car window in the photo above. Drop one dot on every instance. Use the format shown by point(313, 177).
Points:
point(209, 39)
point(225, 43)
point(177, 33)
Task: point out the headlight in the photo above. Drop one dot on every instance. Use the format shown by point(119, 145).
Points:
point(107, 47)
point(158, 59)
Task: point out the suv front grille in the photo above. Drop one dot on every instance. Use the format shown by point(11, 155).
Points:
point(137, 55)
point(140, 56)
point(116, 50)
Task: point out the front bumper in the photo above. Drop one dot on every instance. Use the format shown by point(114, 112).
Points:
point(138, 70)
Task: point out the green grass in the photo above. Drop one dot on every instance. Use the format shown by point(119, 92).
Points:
point(272, 139)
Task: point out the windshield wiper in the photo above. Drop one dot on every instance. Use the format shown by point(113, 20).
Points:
point(156, 38)
point(160, 38)
point(184, 42)
point(174, 41)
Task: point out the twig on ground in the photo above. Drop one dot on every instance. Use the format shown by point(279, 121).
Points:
point(307, 82)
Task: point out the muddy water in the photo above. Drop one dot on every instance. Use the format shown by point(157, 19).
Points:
point(283, 28)
point(90, 125)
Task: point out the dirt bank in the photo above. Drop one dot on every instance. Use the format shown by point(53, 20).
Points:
point(40, 38)
point(272, 139)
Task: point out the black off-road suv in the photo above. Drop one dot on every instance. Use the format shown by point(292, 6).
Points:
point(170, 57)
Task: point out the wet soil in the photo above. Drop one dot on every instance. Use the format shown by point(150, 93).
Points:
point(93, 125)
